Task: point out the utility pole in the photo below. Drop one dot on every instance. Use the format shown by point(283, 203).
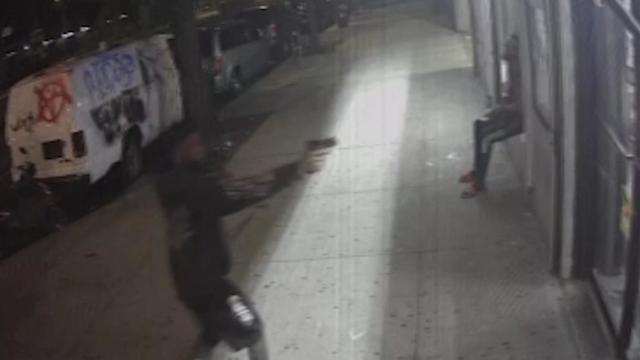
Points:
point(196, 91)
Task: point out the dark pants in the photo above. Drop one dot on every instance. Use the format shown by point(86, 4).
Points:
point(497, 125)
point(219, 321)
point(205, 309)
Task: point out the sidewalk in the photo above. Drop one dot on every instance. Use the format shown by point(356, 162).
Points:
point(376, 257)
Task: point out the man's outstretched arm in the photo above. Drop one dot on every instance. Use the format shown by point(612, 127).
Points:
point(241, 193)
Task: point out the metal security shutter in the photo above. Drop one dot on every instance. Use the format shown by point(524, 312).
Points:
point(613, 147)
point(608, 148)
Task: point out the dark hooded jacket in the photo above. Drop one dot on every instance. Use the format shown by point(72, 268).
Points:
point(195, 202)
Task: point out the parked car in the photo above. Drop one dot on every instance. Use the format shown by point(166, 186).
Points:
point(265, 19)
point(325, 9)
point(343, 13)
point(233, 52)
point(279, 21)
point(75, 121)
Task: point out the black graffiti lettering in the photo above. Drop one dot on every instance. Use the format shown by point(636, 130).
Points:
point(26, 123)
point(133, 107)
point(107, 119)
point(116, 115)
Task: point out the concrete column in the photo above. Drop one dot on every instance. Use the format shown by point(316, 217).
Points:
point(462, 15)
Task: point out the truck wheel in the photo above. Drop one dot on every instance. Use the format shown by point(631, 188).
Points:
point(131, 160)
point(288, 48)
point(237, 84)
point(7, 238)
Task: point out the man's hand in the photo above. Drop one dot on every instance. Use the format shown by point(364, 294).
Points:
point(251, 186)
point(316, 155)
point(313, 161)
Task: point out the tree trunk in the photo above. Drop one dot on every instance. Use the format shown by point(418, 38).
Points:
point(144, 14)
point(314, 26)
point(196, 91)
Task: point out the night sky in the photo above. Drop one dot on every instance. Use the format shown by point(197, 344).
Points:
point(54, 17)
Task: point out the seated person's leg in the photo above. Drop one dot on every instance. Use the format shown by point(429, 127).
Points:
point(469, 176)
point(481, 127)
point(498, 124)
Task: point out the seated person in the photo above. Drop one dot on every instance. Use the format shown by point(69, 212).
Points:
point(500, 123)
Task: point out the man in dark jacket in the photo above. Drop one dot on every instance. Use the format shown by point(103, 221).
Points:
point(195, 197)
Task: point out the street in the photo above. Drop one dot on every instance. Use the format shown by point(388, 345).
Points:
point(375, 257)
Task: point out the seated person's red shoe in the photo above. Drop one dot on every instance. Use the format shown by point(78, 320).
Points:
point(468, 177)
point(472, 190)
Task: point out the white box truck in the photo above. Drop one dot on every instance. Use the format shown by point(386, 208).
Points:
point(78, 119)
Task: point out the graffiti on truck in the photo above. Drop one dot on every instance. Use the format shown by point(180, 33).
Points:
point(26, 123)
point(109, 74)
point(112, 82)
point(115, 116)
point(53, 99)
